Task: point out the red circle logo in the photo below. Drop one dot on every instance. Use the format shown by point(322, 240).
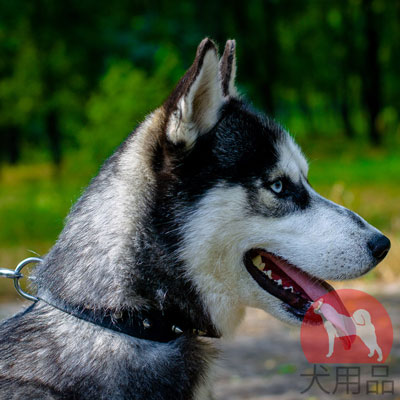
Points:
point(346, 326)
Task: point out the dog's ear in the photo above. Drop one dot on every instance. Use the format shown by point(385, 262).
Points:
point(193, 107)
point(227, 69)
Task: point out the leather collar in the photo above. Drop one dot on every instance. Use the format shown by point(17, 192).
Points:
point(151, 324)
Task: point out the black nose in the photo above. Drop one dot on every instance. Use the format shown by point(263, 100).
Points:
point(379, 246)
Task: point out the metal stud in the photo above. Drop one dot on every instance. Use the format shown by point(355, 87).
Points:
point(146, 324)
point(118, 315)
point(176, 329)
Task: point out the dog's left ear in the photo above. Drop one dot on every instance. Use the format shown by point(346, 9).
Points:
point(227, 69)
point(194, 105)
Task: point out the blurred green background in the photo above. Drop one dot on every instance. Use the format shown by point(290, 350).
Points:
point(76, 77)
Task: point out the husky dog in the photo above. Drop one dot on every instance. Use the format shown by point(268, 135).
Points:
point(205, 209)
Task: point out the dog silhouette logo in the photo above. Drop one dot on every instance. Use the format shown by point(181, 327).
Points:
point(364, 329)
point(346, 326)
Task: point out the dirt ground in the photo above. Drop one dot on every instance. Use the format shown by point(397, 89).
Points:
point(265, 361)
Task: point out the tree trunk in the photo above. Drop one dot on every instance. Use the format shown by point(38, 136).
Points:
point(347, 67)
point(14, 144)
point(344, 110)
point(258, 58)
point(372, 73)
point(54, 135)
point(269, 68)
point(11, 148)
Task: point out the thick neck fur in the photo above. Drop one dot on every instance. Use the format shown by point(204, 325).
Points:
point(110, 255)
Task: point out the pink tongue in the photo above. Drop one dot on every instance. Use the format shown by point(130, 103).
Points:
point(312, 287)
point(335, 311)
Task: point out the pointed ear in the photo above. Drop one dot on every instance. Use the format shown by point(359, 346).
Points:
point(227, 69)
point(193, 107)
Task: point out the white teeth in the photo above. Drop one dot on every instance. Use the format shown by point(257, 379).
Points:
point(257, 261)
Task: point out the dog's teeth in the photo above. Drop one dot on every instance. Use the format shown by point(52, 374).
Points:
point(269, 274)
point(257, 261)
point(278, 282)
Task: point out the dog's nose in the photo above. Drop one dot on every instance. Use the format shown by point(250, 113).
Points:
point(379, 246)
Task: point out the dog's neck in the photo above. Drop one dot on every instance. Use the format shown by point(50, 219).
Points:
point(109, 255)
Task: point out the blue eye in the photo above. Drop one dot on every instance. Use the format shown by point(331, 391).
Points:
point(277, 186)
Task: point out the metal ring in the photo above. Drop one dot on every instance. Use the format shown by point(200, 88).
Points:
point(9, 273)
point(19, 275)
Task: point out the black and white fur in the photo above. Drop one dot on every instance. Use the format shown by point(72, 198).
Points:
point(165, 224)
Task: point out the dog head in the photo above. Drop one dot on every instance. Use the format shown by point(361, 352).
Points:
point(248, 226)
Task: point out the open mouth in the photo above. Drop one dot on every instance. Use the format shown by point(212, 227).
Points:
point(294, 287)
point(299, 291)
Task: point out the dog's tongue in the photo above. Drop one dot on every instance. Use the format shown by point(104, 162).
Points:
point(331, 306)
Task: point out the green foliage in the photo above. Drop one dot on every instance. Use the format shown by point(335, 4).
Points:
point(325, 69)
point(124, 97)
point(34, 202)
point(21, 91)
point(76, 78)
